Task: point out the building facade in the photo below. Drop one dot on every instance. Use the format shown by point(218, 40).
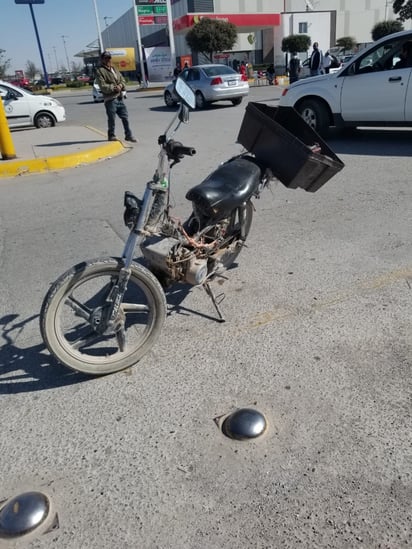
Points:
point(261, 25)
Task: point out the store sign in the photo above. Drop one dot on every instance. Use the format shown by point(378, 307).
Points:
point(151, 10)
point(146, 20)
point(123, 58)
point(159, 63)
point(151, 2)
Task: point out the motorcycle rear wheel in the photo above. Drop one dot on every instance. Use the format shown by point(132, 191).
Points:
point(79, 292)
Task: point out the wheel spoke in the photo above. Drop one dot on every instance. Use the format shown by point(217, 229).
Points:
point(134, 308)
point(86, 340)
point(79, 308)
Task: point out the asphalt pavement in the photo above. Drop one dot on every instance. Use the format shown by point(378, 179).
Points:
point(317, 338)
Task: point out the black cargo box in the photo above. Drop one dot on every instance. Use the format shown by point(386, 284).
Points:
point(281, 140)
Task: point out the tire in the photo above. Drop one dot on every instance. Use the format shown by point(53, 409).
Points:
point(169, 99)
point(44, 120)
point(71, 339)
point(235, 244)
point(315, 114)
point(236, 101)
point(201, 102)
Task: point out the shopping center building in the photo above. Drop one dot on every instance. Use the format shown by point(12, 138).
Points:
point(261, 25)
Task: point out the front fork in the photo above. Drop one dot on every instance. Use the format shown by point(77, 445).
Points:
point(111, 308)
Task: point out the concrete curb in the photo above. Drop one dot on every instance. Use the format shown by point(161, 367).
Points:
point(12, 168)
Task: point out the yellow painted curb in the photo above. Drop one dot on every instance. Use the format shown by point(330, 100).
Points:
point(12, 168)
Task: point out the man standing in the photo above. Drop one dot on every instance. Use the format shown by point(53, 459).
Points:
point(294, 68)
point(112, 85)
point(316, 60)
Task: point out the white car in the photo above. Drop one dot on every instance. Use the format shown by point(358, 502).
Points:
point(305, 70)
point(23, 108)
point(370, 90)
point(97, 94)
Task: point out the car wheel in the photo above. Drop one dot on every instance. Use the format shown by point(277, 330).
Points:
point(44, 120)
point(315, 115)
point(169, 99)
point(236, 101)
point(201, 102)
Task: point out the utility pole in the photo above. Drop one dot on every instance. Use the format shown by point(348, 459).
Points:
point(65, 51)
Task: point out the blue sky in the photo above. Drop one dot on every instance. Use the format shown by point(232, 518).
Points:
point(74, 19)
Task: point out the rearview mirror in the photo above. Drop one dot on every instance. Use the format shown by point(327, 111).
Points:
point(185, 92)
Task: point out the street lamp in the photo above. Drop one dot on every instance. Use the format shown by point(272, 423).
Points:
point(30, 3)
point(65, 51)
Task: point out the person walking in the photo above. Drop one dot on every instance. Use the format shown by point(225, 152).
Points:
point(294, 68)
point(316, 60)
point(327, 61)
point(113, 85)
point(270, 74)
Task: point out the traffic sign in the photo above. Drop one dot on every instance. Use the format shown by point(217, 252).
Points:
point(29, 1)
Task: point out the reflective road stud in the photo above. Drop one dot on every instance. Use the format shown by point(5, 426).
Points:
point(244, 424)
point(23, 514)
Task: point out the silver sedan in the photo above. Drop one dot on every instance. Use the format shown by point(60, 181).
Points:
point(211, 83)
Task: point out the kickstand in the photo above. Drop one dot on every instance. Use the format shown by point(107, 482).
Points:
point(215, 299)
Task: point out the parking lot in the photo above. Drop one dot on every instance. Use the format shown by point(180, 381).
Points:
point(318, 337)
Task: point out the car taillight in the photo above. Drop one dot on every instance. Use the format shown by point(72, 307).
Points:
point(285, 91)
point(244, 78)
point(216, 80)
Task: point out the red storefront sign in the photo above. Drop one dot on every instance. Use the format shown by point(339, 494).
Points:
point(259, 20)
point(146, 20)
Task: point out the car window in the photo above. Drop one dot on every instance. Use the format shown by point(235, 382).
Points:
point(4, 90)
point(382, 58)
point(194, 74)
point(219, 70)
point(184, 74)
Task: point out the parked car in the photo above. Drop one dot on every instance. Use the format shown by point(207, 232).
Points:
point(334, 67)
point(23, 108)
point(345, 59)
point(211, 83)
point(97, 94)
point(370, 90)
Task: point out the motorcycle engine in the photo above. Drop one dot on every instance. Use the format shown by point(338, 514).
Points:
point(169, 256)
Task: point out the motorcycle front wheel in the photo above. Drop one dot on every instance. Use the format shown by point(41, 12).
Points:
point(79, 295)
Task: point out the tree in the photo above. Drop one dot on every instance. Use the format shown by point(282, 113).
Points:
point(384, 28)
point(210, 36)
point(403, 8)
point(296, 43)
point(346, 43)
point(31, 70)
point(4, 63)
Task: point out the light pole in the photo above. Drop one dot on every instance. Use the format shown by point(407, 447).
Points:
point(107, 30)
point(30, 3)
point(99, 32)
point(65, 51)
point(55, 58)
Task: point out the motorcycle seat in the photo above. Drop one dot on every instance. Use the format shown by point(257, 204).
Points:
point(226, 188)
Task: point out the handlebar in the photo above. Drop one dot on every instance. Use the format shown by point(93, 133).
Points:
point(177, 150)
